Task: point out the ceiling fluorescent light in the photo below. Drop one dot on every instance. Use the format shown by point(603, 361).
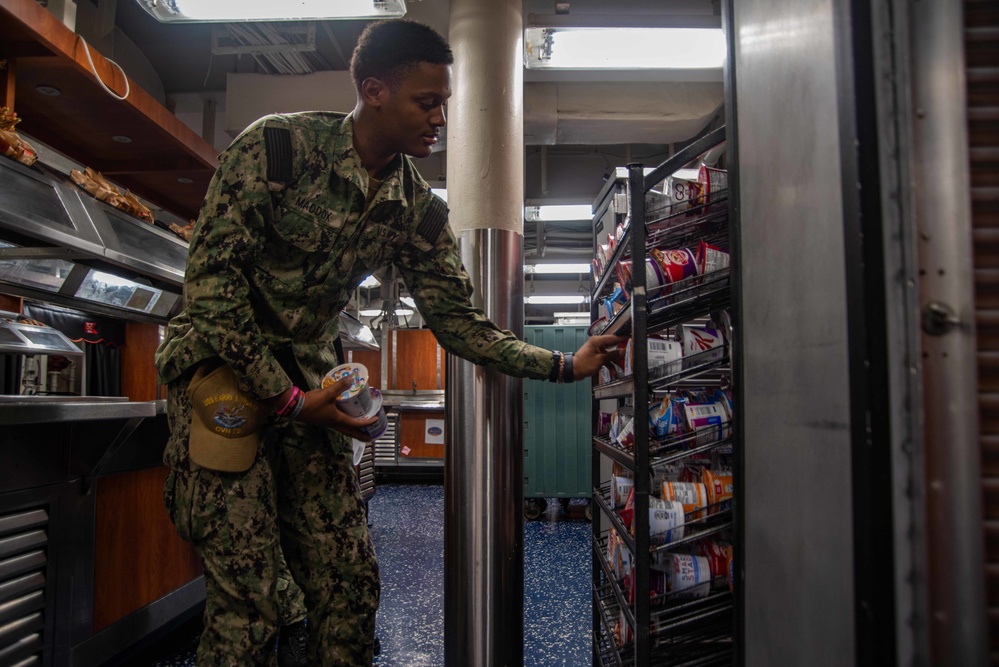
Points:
point(370, 282)
point(566, 314)
point(370, 312)
point(598, 48)
point(556, 212)
point(554, 299)
point(557, 268)
point(181, 11)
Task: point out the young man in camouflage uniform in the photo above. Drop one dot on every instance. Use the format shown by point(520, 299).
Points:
point(274, 258)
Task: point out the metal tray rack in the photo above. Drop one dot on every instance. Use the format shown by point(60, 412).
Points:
point(663, 630)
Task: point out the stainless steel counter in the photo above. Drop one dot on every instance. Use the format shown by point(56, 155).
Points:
point(426, 399)
point(47, 409)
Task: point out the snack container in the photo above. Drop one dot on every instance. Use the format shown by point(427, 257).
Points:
point(375, 430)
point(682, 192)
point(689, 576)
point(621, 488)
point(701, 339)
point(655, 278)
point(357, 400)
point(665, 521)
point(666, 417)
point(711, 181)
point(710, 420)
point(719, 486)
point(691, 495)
point(676, 265)
point(710, 258)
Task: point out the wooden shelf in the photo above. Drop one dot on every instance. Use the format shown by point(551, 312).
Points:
point(81, 121)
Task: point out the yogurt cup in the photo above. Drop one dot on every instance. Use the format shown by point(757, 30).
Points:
point(375, 431)
point(357, 399)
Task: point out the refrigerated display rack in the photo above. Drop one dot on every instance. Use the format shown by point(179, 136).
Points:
point(663, 631)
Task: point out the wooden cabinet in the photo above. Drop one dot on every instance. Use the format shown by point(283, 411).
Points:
point(416, 361)
point(138, 557)
point(165, 161)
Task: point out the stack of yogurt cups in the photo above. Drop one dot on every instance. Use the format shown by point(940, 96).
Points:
point(359, 400)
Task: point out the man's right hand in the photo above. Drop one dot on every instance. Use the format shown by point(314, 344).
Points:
point(597, 351)
point(321, 409)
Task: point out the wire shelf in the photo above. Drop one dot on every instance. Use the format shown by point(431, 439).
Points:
point(703, 369)
point(708, 368)
point(706, 222)
point(698, 441)
point(609, 652)
point(703, 440)
point(691, 632)
point(697, 525)
point(601, 498)
point(613, 652)
point(612, 587)
point(677, 303)
point(694, 297)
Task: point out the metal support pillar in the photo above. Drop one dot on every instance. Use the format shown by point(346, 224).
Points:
point(483, 463)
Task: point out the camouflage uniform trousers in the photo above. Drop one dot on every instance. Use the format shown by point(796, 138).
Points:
point(300, 499)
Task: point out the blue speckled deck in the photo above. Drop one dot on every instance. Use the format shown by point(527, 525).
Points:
point(407, 525)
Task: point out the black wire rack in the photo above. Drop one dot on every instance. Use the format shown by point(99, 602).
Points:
point(640, 623)
point(685, 446)
point(708, 521)
point(676, 303)
point(705, 222)
point(709, 368)
point(682, 631)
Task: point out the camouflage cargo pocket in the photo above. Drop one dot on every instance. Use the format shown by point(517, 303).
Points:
point(193, 503)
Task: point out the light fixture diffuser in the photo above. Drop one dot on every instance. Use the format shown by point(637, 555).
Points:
point(555, 299)
point(565, 269)
point(631, 48)
point(231, 11)
point(558, 212)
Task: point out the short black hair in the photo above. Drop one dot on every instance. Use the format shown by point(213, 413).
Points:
point(385, 48)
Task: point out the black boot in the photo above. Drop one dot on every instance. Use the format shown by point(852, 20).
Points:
point(292, 642)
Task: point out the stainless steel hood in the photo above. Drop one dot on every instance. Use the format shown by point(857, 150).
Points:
point(17, 337)
point(356, 334)
point(56, 244)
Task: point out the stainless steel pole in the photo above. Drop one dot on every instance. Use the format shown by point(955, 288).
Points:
point(483, 463)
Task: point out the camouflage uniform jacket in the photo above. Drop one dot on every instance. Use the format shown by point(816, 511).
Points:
point(271, 271)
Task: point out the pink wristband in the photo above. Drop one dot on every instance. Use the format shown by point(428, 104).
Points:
point(283, 412)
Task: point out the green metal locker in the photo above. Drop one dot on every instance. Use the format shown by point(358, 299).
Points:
point(557, 427)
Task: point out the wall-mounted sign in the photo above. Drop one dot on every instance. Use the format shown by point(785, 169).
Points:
point(434, 432)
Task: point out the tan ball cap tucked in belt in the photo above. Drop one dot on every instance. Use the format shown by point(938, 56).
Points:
point(226, 423)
